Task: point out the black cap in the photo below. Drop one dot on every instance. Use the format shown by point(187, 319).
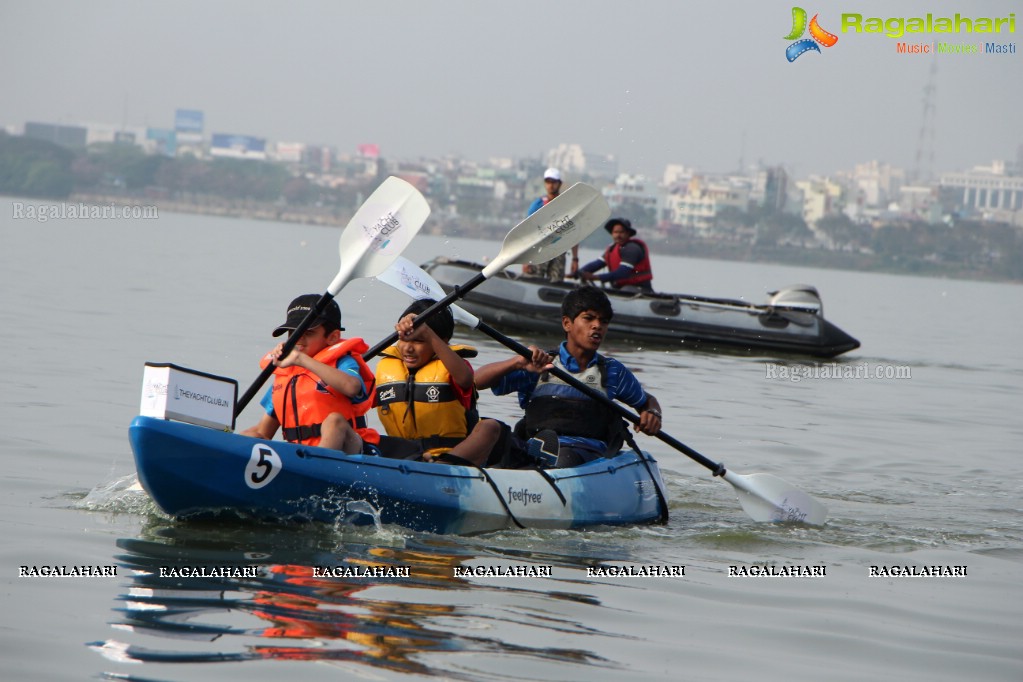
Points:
point(610, 225)
point(330, 318)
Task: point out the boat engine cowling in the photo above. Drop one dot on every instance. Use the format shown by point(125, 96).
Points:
point(797, 296)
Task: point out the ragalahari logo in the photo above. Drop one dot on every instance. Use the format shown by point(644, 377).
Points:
point(817, 35)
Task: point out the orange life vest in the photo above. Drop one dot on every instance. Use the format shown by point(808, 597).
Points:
point(643, 272)
point(301, 401)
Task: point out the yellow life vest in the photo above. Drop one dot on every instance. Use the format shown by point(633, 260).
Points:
point(422, 406)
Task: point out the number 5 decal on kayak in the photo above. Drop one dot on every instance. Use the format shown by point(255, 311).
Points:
point(264, 464)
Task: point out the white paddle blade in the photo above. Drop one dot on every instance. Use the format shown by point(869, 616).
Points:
point(379, 231)
point(413, 281)
point(770, 499)
point(554, 229)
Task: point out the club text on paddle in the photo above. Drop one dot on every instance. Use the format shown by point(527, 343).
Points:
point(558, 226)
point(379, 233)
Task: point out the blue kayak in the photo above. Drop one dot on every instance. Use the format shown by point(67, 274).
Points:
point(194, 472)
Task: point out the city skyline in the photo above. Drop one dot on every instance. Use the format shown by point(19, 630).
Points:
point(662, 83)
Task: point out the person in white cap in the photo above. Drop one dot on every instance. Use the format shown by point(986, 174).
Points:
point(554, 269)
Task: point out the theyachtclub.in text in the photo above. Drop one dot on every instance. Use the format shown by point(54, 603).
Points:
point(63, 210)
point(837, 370)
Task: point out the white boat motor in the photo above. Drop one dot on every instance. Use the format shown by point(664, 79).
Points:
point(803, 297)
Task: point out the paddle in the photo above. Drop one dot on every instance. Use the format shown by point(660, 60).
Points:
point(547, 233)
point(763, 496)
point(376, 235)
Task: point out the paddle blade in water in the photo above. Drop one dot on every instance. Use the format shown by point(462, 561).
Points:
point(771, 499)
point(379, 231)
point(554, 229)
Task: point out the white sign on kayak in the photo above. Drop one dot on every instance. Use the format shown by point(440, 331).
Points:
point(186, 395)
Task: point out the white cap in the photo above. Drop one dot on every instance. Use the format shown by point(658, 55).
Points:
point(552, 174)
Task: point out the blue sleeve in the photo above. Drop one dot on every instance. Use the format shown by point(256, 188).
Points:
point(622, 272)
point(535, 206)
point(593, 265)
point(348, 365)
point(521, 381)
point(623, 385)
point(267, 401)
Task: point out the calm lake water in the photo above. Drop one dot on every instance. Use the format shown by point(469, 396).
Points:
point(920, 469)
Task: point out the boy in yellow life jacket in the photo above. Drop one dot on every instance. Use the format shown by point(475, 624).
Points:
point(425, 392)
point(321, 390)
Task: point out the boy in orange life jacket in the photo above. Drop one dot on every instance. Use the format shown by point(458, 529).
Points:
point(425, 393)
point(320, 393)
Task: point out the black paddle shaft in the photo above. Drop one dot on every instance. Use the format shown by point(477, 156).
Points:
point(289, 346)
point(421, 318)
point(717, 469)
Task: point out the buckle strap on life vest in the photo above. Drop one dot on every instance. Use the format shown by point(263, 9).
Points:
point(297, 434)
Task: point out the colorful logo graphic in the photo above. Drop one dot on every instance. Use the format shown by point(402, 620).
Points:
point(817, 35)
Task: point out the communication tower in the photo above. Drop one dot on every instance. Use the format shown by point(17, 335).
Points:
point(923, 169)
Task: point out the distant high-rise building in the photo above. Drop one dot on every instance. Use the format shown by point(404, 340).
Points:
point(567, 157)
point(770, 188)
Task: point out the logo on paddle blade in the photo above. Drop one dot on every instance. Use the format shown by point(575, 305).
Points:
point(557, 228)
point(789, 512)
point(413, 283)
point(380, 232)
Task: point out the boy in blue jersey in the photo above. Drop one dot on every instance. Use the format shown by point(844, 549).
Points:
point(586, 428)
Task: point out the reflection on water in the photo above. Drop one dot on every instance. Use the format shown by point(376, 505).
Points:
point(268, 598)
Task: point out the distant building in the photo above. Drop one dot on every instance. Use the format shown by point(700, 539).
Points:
point(232, 146)
point(994, 191)
point(676, 174)
point(634, 190)
point(568, 158)
point(820, 197)
point(919, 201)
point(288, 152)
point(189, 126)
point(770, 188)
point(65, 136)
point(161, 141)
point(699, 204)
point(876, 184)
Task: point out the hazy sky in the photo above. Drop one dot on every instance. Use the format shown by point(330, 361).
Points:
point(652, 81)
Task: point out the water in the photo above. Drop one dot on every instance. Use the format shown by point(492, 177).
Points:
point(921, 470)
